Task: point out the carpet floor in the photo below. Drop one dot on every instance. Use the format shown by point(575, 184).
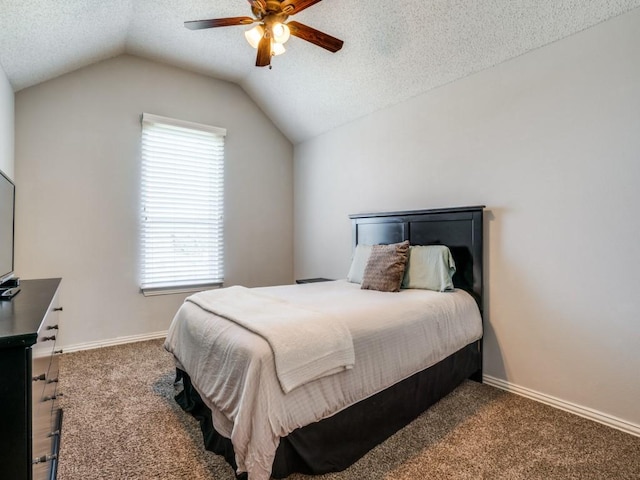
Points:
point(121, 422)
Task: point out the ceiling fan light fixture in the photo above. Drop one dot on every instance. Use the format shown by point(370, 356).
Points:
point(254, 35)
point(277, 49)
point(280, 32)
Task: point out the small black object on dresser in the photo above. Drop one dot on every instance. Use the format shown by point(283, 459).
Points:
point(313, 280)
point(9, 288)
point(29, 413)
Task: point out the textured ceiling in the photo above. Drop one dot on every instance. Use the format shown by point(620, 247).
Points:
point(392, 51)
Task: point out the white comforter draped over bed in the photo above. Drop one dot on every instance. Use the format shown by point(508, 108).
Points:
point(306, 344)
point(394, 336)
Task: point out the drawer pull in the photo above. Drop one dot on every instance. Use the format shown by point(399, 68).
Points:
point(57, 309)
point(42, 376)
point(46, 339)
point(57, 352)
point(44, 458)
point(52, 327)
point(51, 397)
point(52, 380)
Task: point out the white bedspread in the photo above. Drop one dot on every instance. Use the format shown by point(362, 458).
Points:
point(394, 336)
point(306, 344)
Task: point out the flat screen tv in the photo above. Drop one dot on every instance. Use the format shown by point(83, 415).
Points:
point(7, 209)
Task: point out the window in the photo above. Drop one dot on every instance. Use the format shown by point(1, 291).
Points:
point(181, 231)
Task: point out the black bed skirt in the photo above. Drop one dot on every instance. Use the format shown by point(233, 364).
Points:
point(335, 443)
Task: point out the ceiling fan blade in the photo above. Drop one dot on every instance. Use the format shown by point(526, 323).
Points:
point(258, 5)
point(291, 7)
point(264, 52)
point(218, 22)
point(315, 36)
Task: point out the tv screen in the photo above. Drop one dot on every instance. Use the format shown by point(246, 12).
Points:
point(7, 199)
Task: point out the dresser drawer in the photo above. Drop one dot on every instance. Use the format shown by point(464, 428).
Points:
point(39, 372)
point(43, 403)
point(48, 331)
point(46, 446)
point(45, 432)
point(43, 438)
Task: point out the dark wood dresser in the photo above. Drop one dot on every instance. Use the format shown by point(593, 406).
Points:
point(30, 417)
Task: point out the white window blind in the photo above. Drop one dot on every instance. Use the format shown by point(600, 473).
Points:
point(182, 205)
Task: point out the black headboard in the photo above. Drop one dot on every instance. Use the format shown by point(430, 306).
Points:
point(459, 228)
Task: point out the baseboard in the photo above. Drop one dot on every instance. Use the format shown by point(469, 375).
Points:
point(114, 341)
point(579, 410)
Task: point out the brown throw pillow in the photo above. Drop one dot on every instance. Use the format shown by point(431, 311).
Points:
point(385, 268)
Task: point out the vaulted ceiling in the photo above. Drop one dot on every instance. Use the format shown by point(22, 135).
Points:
point(392, 50)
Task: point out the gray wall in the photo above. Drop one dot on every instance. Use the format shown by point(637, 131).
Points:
point(6, 125)
point(77, 183)
point(550, 142)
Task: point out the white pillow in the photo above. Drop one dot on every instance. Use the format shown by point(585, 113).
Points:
point(430, 267)
point(358, 263)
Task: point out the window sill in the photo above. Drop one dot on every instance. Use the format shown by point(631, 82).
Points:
point(152, 292)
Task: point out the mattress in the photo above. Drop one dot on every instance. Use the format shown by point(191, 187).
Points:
point(395, 335)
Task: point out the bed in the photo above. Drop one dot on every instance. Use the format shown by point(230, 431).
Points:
point(329, 422)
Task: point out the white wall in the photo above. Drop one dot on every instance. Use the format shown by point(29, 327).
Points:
point(6, 125)
point(550, 142)
point(77, 171)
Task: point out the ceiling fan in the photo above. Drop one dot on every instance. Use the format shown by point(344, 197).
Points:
point(272, 32)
